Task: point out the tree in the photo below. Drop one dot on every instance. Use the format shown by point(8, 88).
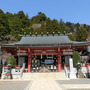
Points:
point(43, 17)
point(81, 34)
point(18, 23)
point(76, 58)
point(77, 25)
point(70, 26)
point(55, 26)
point(15, 26)
point(28, 30)
point(71, 37)
point(12, 61)
point(39, 13)
point(38, 18)
point(49, 25)
point(23, 19)
point(63, 27)
point(4, 28)
point(43, 27)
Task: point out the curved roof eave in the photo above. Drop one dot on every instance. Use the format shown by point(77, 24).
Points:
point(45, 41)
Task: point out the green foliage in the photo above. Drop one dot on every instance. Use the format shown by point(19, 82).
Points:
point(77, 25)
point(70, 26)
point(42, 28)
point(0, 39)
point(63, 27)
point(4, 28)
point(71, 37)
point(76, 58)
point(18, 23)
point(55, 26)
point(81, 34)
point(12, 61)
point(28, 30)
point(49, 25)
point(38, 18)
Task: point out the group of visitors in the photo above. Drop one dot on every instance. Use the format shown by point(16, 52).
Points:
point(84, 70)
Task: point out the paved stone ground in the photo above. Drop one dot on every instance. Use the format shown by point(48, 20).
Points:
point(44, 84)
point(79, 89)
point(74, 81)
point(76, 84)
point(14, 85)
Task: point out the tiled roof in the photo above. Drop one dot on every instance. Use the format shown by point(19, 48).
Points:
point(45, 40)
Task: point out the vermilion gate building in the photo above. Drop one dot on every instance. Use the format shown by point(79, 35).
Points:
point(38, 51)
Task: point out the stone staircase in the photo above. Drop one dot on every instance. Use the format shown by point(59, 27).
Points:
point(51, 75)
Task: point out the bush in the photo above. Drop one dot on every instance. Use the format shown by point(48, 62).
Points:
point(76, 58)
point(12, 61)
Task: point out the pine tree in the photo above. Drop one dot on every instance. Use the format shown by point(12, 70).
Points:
point(48, 25)
point(55, 26)
point(63, 27)
point(4, 27)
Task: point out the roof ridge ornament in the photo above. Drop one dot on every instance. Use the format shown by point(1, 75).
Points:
point(41, 33)
point(47, 33)
point(53, 33)
point(30, 34)
point(58, 33)
point(36, 34)
point(25, 33)
point(64, 33)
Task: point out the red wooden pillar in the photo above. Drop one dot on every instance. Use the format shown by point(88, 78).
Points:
point(59, 64)
point(29, 63)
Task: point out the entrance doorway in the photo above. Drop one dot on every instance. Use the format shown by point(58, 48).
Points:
point(21, 60)
point(43, 63)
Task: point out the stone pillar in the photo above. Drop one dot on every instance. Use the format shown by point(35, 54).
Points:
point(29, 63)
point(59, 63)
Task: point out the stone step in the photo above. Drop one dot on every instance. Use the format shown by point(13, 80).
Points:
point(55, 76)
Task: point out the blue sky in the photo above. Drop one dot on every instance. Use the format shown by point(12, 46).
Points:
point(69, 10)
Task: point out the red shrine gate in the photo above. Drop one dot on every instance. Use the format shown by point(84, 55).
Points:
point(39, 57)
